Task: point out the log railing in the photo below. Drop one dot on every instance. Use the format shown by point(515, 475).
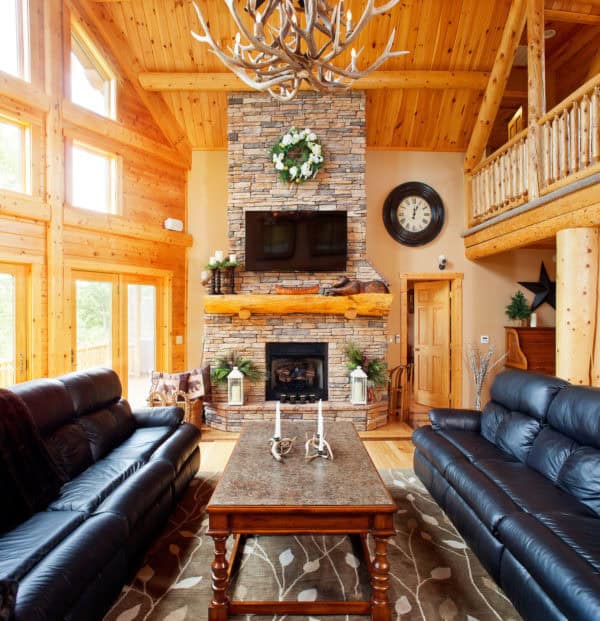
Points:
point(95, 356)
point(570, 150)
point(7, 373)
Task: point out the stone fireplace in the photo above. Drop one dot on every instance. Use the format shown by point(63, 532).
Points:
point(256, 317)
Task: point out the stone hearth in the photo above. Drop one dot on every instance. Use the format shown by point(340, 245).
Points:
point(246, 322)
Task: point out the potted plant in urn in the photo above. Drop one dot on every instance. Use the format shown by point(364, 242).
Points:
point(518, 310)
point(375, 368)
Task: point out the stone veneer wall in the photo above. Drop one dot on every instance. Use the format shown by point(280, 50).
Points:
point(256, 121)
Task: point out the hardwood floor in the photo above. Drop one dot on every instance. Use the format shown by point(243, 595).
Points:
point(389, 447)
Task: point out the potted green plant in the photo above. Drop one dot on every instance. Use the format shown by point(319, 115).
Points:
point(375, 368)
point(518, 310)
point(225, 364)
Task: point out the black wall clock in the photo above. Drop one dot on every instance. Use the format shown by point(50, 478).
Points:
point(413, 213)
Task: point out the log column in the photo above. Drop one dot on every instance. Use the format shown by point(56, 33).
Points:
point(576, 309)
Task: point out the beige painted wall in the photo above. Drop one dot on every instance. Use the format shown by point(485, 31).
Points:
point(487, 285)
point(207, 222)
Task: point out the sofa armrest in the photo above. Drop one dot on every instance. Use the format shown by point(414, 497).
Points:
point(462, 420)
point(169, 416)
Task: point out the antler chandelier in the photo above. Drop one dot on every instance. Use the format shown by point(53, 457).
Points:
point(289, 42)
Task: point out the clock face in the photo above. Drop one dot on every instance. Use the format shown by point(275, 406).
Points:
point(413, 213)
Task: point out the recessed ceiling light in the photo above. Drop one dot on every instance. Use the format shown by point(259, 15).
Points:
point(549, 33)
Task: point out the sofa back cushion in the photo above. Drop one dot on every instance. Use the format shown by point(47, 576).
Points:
point(92, 389)
point(70, 449)
point(49, 403)
point(576, 413)
point(514, 417)
point(549, 453)
point(580, 476)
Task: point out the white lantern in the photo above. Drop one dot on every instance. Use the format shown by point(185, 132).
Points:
point(235, 387)
point(358, 386)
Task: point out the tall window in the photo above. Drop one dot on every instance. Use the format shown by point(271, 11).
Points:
point(15, 155)
point(14, 38)
point(92, 81)
point(94, 179)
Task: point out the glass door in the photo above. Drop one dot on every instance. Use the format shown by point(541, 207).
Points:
point(96, 299)
point(13, 324)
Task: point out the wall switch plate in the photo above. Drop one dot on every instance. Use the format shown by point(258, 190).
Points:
point(178, 339)
point(484, 339)
point(397, 339)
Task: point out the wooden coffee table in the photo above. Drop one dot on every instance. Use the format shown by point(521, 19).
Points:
point(260, 496)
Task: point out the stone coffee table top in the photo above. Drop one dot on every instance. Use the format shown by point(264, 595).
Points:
point(253, 478)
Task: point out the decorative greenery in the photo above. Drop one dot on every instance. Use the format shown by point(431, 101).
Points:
point(518, 307)
point(297, 155)
point(219, 373)
point(375, 368)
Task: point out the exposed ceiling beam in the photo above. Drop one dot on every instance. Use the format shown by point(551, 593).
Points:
point(116, 43)
point(496, 85)
point(571, 17)
point(228, 81)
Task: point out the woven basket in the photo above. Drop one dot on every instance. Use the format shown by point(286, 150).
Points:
point(192, 408)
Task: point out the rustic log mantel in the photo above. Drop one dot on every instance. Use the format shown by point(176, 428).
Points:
point(363, 304)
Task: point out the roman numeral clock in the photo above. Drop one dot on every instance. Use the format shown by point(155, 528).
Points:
point(413, 213)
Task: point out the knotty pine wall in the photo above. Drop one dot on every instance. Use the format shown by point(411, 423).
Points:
point(44, 231)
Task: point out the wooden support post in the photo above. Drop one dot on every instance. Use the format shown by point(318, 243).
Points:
point(576, 308)
point(497, 83)
point(58, 345)
point(536, 95)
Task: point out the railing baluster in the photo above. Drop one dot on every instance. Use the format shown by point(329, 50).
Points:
point(547, 147)
point(555, 149)
point(595, 113)
point(574, 138)
point(584, 145)
point(564, 144)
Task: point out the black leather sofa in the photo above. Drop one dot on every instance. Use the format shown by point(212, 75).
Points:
point(124, 471)
point(521, 482)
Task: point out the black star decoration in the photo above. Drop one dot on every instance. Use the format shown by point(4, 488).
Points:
point(544, 289)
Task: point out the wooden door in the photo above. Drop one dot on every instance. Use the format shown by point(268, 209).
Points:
point(432, 343)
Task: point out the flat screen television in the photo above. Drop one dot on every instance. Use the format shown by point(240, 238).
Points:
point(296, 241)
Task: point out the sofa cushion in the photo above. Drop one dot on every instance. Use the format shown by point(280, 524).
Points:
point(473, 446)
point(576, 413)
point(529, 490)
point(91, 487)
point(169, 416)
point(580, 477)
point(179, 446)
point(134, 497)
point(517, 433)
point(48, 401)
point(70, 450)
point(93, 389)
point(549, 453)
point(526, 392)
point(24, 546)
point(141, 444)
point(437, 449)
point(564, 574)
point(8, 598)
point(107, 428)
point(51, 588)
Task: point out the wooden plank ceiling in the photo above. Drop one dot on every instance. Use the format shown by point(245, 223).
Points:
point(458, 35)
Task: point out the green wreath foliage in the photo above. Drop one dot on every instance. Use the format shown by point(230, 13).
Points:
point(297, 156)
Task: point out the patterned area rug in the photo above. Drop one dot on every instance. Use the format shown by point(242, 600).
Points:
point(433, 573)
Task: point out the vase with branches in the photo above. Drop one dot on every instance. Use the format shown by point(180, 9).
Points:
point(481, 362)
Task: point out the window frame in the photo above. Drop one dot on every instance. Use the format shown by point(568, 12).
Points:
point(115, 176)
point(23, 27)
point(26, 152)
point(98, 59)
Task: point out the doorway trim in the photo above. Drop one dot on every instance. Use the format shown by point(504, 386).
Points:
point(456, 332)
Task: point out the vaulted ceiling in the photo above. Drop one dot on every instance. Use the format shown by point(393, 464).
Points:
point(441, 35)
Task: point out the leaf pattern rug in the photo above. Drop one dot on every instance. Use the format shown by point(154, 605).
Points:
point(433, 573)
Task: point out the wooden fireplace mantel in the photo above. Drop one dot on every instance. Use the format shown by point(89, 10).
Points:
point(351, 306)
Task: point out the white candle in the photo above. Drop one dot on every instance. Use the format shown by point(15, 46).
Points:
point(236, 49)
point(204, 275)
point(232, 258)
point(219, 255)
point(236, 395)
point(353, 59)
point(348, 21)
point(533, 320)
point(212, 261)
point(277, 421)
point(320, 425)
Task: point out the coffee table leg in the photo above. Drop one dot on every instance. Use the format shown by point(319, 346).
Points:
point(219, 606)
point(380, 581)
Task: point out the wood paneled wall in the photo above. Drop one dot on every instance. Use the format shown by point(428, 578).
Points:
point(43, 230)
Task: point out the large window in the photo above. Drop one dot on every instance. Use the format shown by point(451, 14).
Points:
point(94, 179)
point(92, 81)
point(15, 155)
point(14, 38)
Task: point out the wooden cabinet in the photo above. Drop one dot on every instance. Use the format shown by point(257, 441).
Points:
point(531, 349)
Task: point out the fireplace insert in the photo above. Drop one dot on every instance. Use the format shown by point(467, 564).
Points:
point(296, 372)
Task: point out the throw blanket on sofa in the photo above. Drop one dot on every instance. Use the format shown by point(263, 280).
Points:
point(29, 479)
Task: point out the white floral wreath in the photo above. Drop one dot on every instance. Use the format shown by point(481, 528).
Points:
point(297, 155)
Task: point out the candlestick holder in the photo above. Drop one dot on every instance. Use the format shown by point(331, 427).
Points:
point(312, 450)
point(231, 283)
point(280, 447)
point(213, 280)
point(218, 281)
